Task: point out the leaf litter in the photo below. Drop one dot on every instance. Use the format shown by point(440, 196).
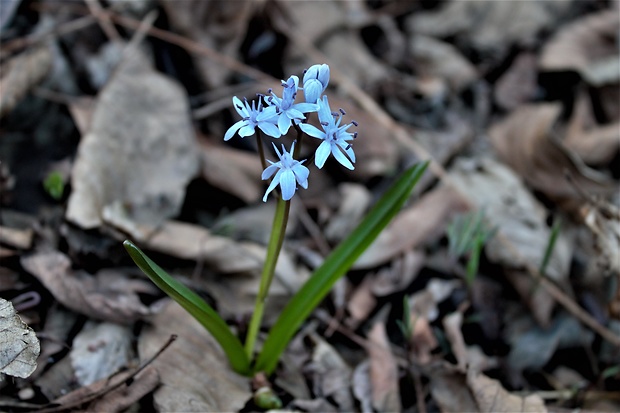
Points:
point(516, 103)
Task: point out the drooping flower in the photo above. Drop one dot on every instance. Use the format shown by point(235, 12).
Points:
point(335, 137)
point(316, 79)
point(290, 173)
point(256, 115)
point(286, 108)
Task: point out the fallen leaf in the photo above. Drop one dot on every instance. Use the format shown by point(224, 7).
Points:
point(16, 238)
point(422, 339)
point(433, 57)
point(525, 141)
point(452, 324)
point(450, 392)
point(354, 202)
point(140, 151)
point(362, 388)
point(490, 396)
point(108, 295)
point(19, 345)
point(195, 375)
point(100, 350)
point(383, 371)
point(518, 84)
point(222, 166)
point(330, 374)
point(421, 222)
point(424, 303)
point(582, 43)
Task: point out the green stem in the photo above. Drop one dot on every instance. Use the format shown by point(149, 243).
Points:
point(276, 240)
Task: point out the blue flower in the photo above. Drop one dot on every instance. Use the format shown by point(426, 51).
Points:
point(285, 107)
point(316, 79)
point(264, 118)
point(289, 173)
point(335, 137)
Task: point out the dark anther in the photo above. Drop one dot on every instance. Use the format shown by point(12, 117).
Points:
point(342, 111)
point(324, 123)
point(355, 123)
point(348, 147)
point(269, 91)
point(354, 135)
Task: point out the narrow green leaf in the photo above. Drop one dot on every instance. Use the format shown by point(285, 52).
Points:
point(194, 305)
point(334, 267)
point(553, 237)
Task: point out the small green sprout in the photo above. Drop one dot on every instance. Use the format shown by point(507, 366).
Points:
point(467, 235)
point(553, 237)
point(54, 185)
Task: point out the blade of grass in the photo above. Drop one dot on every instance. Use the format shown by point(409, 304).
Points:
point(194, 305)
point(334, 266)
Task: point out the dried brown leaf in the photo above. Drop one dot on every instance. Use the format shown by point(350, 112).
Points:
point(19, 345)
point(525, 142)
point(419, 223)
point(582, 43)
point(140, 151)
point(108, 295)
point(450, 392)
point(383, 371)
point(222, 166)
point(194, 373)
point(519, 84)
point(452, 324)
point(490, 396)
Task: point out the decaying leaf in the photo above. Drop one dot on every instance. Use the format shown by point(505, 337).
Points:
point(490, 396)
point(412, 227)
point(526, 142)
point(452, 325)
point(19, 345)
point(351, 208)
point(450, 392)
point(582, 43)
point(194, 373)
point(140, 151)
point(108, 295)
point(518, 85)
point(100, 350)
point(383, 371)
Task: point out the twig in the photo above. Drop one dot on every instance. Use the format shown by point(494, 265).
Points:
point(104, 20)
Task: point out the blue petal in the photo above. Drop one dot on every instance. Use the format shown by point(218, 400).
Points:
point(306, 107)
point(240, 107)
point(287, 184)
point(344, 161)
point(312, 90)
point(269, 129)
point(324, 75)
point(293, 113)
point(301, 174)
point(270, 170)
point(272, 185)
point(247, 130)
point(321, 154)
point(348, 149)
point(234, 128)
point(311, 130)
point(325, 113)
point(311, 74)
point(284, 123)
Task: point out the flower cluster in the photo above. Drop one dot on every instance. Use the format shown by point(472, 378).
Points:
point(274, 115)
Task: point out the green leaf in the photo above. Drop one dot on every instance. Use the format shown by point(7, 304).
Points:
point(54, 185)
point(334, 267)
point(194, 305)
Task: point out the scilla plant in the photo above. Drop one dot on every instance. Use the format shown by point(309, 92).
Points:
point(273, 116)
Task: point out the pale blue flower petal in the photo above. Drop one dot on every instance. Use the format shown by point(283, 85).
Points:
point(287, 184)
point(311, 130)
point(293, 113)
point(234, 128)
point(272, 185)
point(269, 129)
point(322, 152)
point(284, 123)
point(306, 107)
point(247, 130)
point(270, 170)
point(240, 107)
point(344, 161)
point(312, 90)
point(325, 112)
point(301, 174)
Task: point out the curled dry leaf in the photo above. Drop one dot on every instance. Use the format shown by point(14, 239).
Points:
point(450, 392)
point(108, 295)
point(452, 324)
point(525, 142)
point(140, 151)
point(490, 396)
point(412, 227)
point(194, 372)
point(383, 371)
point(19, 345)
point(582, 43)
point(519, 84)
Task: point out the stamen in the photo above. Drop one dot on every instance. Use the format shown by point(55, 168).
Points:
point(305, 70)
point(245, 99)
point(269, 91)
point(348, 147)
point(335, 114)
point(354, 135)
point(355, 123)
point(342, 111)
point(325, 123)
